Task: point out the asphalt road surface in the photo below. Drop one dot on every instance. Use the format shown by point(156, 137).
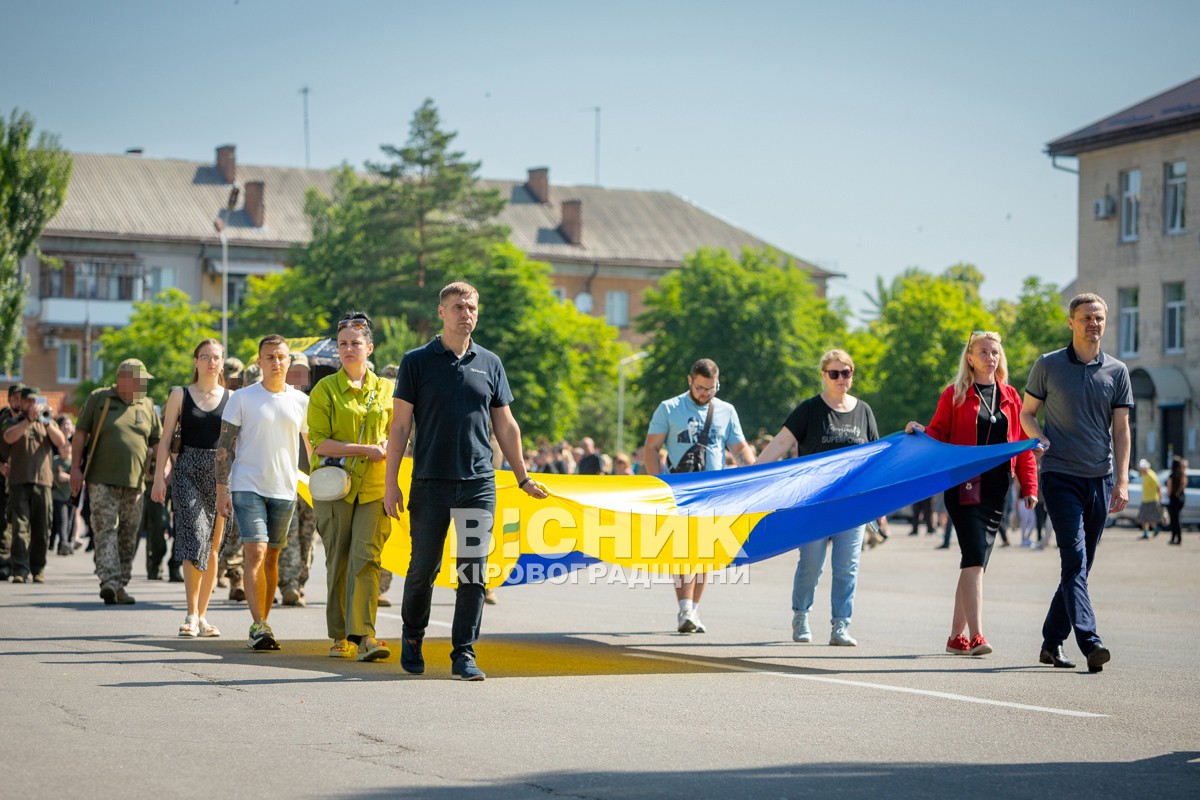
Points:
point(591, 693)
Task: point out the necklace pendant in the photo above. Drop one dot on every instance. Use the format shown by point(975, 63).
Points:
point(993, 418)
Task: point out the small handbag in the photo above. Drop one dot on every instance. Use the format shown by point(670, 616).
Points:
point(970, 493)
point(332, 481)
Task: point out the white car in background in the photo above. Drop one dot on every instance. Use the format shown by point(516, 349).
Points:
point(1191, 504)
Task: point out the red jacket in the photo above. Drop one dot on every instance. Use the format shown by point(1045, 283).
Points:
point(957, 425)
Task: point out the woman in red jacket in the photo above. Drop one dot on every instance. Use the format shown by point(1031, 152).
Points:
point(979, 408)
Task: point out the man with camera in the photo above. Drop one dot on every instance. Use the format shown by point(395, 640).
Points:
point(30, 441)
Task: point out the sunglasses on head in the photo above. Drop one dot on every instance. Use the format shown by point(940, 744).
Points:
point(834, 374)
point(358, 323)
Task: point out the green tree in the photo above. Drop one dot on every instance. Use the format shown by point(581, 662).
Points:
point(416, 222)
point(33, 187)
point(163, 333)
point(921, 331)
point(1035, 324)
point(276, 303)
point(559, 361)
point(387, 242)
point(759, 317)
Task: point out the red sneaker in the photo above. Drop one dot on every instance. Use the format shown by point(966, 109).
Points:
point(979, 646)
point(958, 646)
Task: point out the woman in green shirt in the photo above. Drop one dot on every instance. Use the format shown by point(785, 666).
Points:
point(349, 415)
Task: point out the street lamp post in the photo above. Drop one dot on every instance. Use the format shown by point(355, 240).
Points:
point(621, 396)
point(219, 225)
point(224, 285)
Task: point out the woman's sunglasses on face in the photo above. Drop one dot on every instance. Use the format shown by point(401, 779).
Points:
point(834, 374)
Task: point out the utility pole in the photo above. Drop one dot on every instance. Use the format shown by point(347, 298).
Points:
point(304, 91)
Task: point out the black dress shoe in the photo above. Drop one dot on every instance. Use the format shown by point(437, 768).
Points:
point(1056, 657)
point(1098, 658)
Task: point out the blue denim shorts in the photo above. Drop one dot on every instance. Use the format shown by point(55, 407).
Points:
point(263, 520)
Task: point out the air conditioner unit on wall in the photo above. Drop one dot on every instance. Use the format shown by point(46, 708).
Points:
point(1104, 208)
point(51, 342)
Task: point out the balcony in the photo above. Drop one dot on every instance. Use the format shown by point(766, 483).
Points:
point(74, 312)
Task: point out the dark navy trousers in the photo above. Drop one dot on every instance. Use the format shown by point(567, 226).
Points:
point(1078, 509)
point(431, 506)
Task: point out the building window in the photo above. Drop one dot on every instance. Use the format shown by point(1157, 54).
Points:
point(1131, 193)
point(558, 294)
point(158, 280)
point(1128, 331)
point(1175, 202)
point(616, 308)
point(238, 286)
point(1173, 311)
point(68, 362)
point(94, 280)
point(97, 363)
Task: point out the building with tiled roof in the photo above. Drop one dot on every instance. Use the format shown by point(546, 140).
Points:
point(1139, 248)
point(133, 226)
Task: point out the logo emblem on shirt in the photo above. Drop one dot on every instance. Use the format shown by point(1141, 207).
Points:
point(480, 371)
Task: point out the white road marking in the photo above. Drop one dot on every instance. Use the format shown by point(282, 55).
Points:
point(397, 616)
point(885, 687)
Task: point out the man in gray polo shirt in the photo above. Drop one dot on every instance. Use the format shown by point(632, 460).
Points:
point(1085, 395)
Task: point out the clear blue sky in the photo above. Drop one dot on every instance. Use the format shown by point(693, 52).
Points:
point(866, 137)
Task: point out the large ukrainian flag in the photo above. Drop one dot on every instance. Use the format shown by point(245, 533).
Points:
point(703, 522)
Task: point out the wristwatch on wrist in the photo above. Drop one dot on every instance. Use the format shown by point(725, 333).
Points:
point(521, 483)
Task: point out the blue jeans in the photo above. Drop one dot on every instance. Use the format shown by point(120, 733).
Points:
point(429, 509)
point(1078, 508)
point(263, 520)
point(847, 548)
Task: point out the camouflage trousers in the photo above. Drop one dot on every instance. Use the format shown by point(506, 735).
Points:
point(229, 563)
point(116, 518)
point(296, 558)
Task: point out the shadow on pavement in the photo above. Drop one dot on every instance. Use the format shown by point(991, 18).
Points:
point(1167, 775)
point(502, 656)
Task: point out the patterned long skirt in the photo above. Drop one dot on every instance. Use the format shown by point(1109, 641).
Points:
point(194, 497)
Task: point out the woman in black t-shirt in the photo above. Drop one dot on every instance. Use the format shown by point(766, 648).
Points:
point(197, 409)
point(828, 421)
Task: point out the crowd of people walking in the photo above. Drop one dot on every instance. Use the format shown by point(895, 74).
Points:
point(223, 460)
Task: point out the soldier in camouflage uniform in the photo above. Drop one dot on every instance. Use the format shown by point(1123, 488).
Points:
point(296, 558)
point(123, 434)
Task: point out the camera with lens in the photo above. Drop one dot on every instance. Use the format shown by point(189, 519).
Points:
point(332, 461)
point(41, 405)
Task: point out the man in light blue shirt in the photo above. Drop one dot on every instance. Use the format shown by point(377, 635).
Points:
point(679, 423)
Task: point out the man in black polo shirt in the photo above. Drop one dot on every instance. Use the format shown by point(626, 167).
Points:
point(450, 389)
point(1085, 395)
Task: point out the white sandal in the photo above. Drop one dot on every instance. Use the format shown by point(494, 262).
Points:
point(206, 630)
point(189, 628)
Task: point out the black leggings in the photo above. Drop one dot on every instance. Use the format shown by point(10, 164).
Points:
point(1175, 506)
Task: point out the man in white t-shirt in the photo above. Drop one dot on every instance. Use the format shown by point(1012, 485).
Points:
point(257, 478)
